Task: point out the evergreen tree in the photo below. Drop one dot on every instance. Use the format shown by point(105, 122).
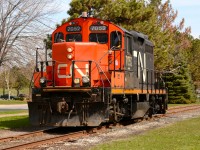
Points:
point(94, 6)
point(180, 86)
point(48, 41)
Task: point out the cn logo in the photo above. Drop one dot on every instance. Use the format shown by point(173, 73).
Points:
point(141, 64)
point(61, 76)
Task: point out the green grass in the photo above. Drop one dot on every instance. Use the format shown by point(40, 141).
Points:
point(14, 122)
point(184, 135)
point(13, 112)
point(10, 102)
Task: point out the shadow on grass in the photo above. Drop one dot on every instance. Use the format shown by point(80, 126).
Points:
point(14, 122)
point(19, 123)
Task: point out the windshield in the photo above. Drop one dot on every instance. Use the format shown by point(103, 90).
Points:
point(58, 37)
point(74, 37)
point(101, 38)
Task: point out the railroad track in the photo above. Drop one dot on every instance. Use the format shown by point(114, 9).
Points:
point(36, 133)
point(16, 138)
point(25, 141)
point(75, 135)
point(68, 136)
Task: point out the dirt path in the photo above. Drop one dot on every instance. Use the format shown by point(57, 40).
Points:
point(10, 115)
point(14, 106)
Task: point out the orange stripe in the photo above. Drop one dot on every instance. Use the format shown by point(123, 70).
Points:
point(137, 91)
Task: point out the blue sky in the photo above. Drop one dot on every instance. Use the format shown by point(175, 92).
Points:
point(188, 9)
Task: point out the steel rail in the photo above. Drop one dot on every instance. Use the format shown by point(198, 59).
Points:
point(40, 132)
point(68, 136)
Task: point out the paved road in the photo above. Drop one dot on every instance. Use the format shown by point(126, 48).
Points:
point(15, 107)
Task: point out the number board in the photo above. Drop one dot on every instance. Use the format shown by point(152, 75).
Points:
point(98, 28)
point(73, 29)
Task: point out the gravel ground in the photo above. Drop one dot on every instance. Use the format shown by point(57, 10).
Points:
point(111, 134)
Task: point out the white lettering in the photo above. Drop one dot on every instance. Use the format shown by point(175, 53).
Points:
point(61, 66)
point(79, 70)
point(70, 74)
point(141, 64)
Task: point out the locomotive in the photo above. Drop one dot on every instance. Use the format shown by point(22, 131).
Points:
point(99, 72)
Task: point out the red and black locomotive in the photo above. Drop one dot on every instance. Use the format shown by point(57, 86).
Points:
point(99, 72)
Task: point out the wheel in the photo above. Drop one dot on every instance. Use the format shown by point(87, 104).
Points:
point(150, 112)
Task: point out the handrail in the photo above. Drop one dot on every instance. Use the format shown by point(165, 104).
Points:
point(42, 73)
point(153, 81)
point(98, 68)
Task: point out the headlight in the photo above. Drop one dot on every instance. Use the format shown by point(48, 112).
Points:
point(70, 56)
point(69, 49)
point(85, 79)
point(43, 82)
point(76, 80)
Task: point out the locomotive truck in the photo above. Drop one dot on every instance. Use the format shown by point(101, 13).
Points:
point(99, 72)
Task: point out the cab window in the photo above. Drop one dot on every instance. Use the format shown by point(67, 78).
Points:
point(77, 37)
point(101, 38)
point(58, 37)
point(115, 40)
point(128, 44)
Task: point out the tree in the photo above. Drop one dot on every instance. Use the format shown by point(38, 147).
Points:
point(180, 86)
point(194, 59)
point(20, 80)
point(79, 6)
point(21, 28)
point(6, 81)
point(2, 83)
point(173, 38)
point(48, 41)
point(15, 77)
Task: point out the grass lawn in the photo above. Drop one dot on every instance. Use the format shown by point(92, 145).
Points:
point(10, 102)
point(184, 135)
point(14, 122)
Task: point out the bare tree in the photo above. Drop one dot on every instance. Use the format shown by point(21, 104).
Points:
point(22, 28)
